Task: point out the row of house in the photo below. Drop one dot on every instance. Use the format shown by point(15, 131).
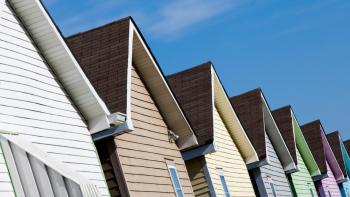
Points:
point(94, 115)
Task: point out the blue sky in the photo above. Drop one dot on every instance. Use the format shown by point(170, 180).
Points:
point(297, 51)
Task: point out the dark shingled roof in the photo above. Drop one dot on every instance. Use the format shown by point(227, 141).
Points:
point(313, 136)
point(248, 107)
point(105, 47)
point(334, 141)
point(284, 121)
point(193, 90)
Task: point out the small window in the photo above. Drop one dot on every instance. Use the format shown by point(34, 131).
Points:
point(311, 190)
point(175, 180)
point(329, 193)
point(272, 186)
point(223, 182)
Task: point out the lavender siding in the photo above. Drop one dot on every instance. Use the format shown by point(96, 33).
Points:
point(328, 185)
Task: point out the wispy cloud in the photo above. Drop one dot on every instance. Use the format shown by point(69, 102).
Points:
point(167, 18)
point(177, 16)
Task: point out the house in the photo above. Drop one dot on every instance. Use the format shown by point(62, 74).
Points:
point(142, 156)
point(275, 160)
point(343, 159)
point(347, 146)
point(301, 181)
point(331, 173)
point(48, 108)
point(217, 166)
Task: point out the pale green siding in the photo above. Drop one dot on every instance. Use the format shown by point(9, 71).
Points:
point(301, 181)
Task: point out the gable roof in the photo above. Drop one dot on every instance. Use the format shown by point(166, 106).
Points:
point(335, 142)
point(49, 40)
point(284, 121)
point(198, 91)
point(294, 138)
point(256, 118)
point(322, 152)
point(107, 54)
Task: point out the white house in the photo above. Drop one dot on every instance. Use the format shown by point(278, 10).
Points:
point(47, 110)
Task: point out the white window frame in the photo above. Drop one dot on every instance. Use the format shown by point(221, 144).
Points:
point(272, 186)
point(221, 174)
point(172, 166)
point(311, 190)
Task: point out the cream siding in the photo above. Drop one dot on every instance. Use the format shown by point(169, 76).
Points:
point(143, 152)
point(230, 160)
point(35, 105)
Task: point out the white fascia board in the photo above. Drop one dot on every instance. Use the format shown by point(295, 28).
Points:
point(186, 140)
point(62, 61)
point(231, 118)
point(277, 140)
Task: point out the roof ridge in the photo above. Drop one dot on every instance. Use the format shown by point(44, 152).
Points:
point(100, 27)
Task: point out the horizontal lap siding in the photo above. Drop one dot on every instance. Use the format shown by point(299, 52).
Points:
point(143, 152)
point(197, 177)
point(6, 188)
point(33, 104)
point(330, 184)
point(345, 189)
point(230, 160)
point(276, 172)
point(301, 180)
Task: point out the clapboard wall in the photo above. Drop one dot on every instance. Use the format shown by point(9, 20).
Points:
point(345, 189)
point(197, 176)
point(6, 188)
point(35, 105)
point(230, 160)
point(275, 171)
point(302, 182)
point(328, 185)
point(143, 152)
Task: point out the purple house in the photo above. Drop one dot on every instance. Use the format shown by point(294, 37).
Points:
point(331, 173)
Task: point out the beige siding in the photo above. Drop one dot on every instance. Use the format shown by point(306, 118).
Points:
point(197, 177)
point(230, 160)
point(144, 151)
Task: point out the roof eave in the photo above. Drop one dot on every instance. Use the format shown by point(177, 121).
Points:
point(50, 41)
point(160, 89)
point(232, 122)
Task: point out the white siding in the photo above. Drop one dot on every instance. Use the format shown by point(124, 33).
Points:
point(276, 172)
point(6, 188)
point(33, 104)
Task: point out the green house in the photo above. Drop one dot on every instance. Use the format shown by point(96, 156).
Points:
point(301, 181)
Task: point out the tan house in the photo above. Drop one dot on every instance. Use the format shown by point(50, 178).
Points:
point(218, 165)
point(140, 157)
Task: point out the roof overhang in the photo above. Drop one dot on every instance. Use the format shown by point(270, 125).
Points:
point(141, 57)
point(232, 122)
point(330, 157)
point(304, 149)
point(277, 140)
point(50, 41)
